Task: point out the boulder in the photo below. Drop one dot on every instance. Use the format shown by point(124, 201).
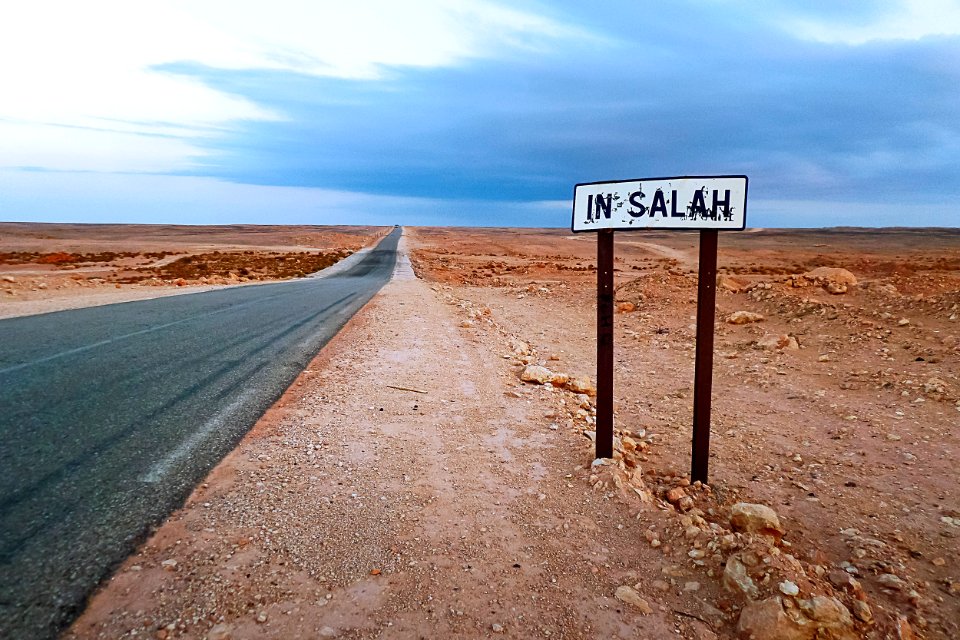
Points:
point(536, 374)
point(744, 317)
point(755, 518)
point(737, 579)
point(559, 379)
point(581, 384)
point(831, 274)
point(767, 620)
point(832, 619)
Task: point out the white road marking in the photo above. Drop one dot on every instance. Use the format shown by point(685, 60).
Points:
point(159, 470)
point(88, 347)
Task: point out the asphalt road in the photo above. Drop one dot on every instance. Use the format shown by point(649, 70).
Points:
point(109, 416)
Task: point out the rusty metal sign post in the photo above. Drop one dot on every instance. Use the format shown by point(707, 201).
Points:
point(705, 203)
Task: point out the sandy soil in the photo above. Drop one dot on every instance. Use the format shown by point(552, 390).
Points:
point(52, 267)
point(468, 505)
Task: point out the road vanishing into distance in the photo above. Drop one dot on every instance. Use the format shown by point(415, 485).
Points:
point(109, 416)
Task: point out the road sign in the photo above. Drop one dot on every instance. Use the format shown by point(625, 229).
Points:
point(687, 202)
point(705, 203)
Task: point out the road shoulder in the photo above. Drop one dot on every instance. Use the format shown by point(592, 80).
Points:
point(405, 486)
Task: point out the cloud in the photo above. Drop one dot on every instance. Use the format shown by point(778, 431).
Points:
point(802, 119)
point(100, 65)
point(129, 198)
point(456, 109)
point(864, 22)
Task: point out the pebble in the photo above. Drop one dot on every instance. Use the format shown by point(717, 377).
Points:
point(660, 585)
point(497, 627)
point(891, 581)
point(629, 595)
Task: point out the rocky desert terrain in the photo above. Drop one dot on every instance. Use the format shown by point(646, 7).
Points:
point(49, 267)
point(431, 474)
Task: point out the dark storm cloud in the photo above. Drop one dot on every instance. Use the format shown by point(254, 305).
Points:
point(700, 88)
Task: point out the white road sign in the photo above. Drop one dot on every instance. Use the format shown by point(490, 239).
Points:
point(687, 202)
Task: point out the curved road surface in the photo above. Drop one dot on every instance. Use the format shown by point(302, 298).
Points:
point(110, 415)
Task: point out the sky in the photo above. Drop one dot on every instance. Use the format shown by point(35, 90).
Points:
point(474, 112)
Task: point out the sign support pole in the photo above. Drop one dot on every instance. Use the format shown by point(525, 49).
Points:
point(605, 343)
point(703, 370)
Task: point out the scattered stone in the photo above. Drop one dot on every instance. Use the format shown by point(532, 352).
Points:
point(789, 588)
point(744, 317)
point(328, 632)
point(862, 612)
point(755, 518)
point(262, 617)
point(691, 586)
point(674, 495)
point(935, 386)
point(8, 279)
point(832, 619)
point(581, 384)
point(727, 283)
point(496, 627)
point(220, 632)
point(685, 504)
point(902, 322)
point(904, 630)
point(891, 581)
point(536, 374)
point(559, 379)
point(630, 596)
point(766, 620)
point(660, 585)
point(519, 347)
point(780, 342)
point(626, 307)
point(737, 579)
point(169, 565)
point(835, 288)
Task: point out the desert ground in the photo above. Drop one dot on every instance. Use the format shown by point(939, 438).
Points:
point(431, 473)
point(50, 267)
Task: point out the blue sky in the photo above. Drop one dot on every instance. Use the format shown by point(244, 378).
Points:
point(474, 112)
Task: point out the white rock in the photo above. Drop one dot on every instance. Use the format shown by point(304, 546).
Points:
point(737, 579)
point(744, 317)
point(536, 374)
point(629, 595)
point(755, 518)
